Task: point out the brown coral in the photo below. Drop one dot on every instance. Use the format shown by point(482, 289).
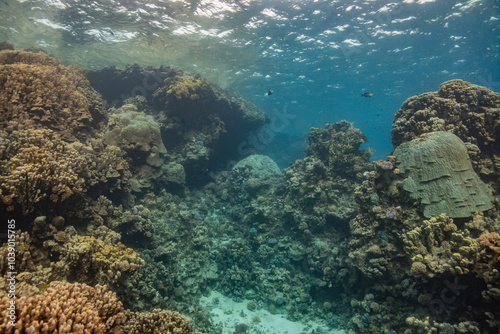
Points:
point(469, 111)
point(94, 261)
point(438, 245)
point(37, 92)
point(65, 308)
point(38, 164)
point(156, 322)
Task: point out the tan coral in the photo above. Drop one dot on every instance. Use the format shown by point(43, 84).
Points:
point(156, 322)
point(96, 262)
point(38, 164)
point(65, 308)
point(37, 92)
point(438, 245)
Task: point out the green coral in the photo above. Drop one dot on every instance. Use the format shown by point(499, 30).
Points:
point(441, 176)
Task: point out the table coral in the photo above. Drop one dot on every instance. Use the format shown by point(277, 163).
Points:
point(38, 92)
point(65, 308)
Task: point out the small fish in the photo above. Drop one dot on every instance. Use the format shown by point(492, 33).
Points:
point(12, 169)
point(270, 92)
point(162, 287)
point(367, 94)
point(111, 32)
point(110, 235)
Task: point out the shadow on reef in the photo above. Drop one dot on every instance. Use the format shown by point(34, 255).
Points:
point(201, 125)
point(113, 196)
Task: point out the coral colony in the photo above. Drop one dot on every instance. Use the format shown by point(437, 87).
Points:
point(126, 212)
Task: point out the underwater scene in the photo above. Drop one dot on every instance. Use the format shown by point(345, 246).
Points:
point(250, 166)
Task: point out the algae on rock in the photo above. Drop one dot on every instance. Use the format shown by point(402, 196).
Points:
point(440, 174)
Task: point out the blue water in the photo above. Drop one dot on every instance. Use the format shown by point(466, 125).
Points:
point(317, 56)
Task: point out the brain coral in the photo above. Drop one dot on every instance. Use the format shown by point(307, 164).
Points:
point(471, 112)
point(440, 174)
point(37, 92)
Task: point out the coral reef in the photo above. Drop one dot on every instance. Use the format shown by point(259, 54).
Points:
point(38, 92)
point(65, 308)
point(437, 247)
point(150, 203)
point(440, 175)
point(37, 165)
point(468, 111)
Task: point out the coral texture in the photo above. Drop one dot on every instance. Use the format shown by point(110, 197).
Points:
point(65, 308)
point(95, 262)
point(440, 174)
point(38, 164)
point(467, 110)
point(438, 247)
point(37, 92)
point(156, 322)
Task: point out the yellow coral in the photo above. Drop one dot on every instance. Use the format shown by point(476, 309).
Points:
point(95, 261)
point(187, 88)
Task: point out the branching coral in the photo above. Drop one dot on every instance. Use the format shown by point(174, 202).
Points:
point(156, 322)
point(37, 92)
point(94, 261)
point(437, 247)
point(37, 164)
point(65, 308)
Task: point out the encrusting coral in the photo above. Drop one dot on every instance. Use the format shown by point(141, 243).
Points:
point(38, 92)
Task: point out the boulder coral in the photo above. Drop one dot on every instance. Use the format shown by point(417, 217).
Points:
point(469, 111)
point(440, 175)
